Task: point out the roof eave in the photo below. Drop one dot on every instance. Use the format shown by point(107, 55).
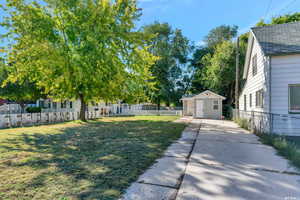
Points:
point(248, 54)
point(282, 53)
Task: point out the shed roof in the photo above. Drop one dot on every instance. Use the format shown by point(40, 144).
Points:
point(205, 94)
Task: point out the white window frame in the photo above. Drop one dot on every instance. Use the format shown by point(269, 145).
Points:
point(289, 99)
point(254, 65)
point(259, 98)
point(245, 102)
point(54, 105)
point(215, 105)
point(63, 104)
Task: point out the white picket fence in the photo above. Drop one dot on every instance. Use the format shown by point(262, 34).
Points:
point(30, 119)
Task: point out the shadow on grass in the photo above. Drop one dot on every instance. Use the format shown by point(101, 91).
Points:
point(96, 160)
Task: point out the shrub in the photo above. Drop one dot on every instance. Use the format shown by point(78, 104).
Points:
point(33, 109)
point(227, 111)
point(243, 123)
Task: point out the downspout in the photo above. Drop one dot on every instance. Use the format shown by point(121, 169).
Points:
point(270, 96)
point(270, 82)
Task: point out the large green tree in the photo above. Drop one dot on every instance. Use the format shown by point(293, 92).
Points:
point(172, 49)
point(78, 49)
point(215, 37)
point(219, 71)
point(220, 34)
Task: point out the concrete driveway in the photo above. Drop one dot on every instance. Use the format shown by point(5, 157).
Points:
point(217, 160)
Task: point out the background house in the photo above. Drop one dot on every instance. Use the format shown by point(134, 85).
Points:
point(48, 105)
point(272, 74)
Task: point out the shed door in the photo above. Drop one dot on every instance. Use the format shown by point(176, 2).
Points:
point(200, 108)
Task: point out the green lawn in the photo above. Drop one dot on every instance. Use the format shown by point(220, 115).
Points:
point(75, 160)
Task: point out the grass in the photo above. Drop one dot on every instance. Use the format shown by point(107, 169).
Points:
point(288, 147)
point(75, 160)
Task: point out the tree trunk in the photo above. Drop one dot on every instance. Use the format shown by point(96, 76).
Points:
point(22, 104)
point(158, 104)
point(82, 108)
point(168, 103)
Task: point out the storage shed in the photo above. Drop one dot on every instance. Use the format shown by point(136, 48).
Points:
point(204, 105)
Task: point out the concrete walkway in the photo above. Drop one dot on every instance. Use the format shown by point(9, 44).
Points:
point(217, 161)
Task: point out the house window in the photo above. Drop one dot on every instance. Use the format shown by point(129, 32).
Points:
point(245, 102)
point(250, 100)
point(294, 98)
point(71, 104)
point(260, 98)
point(254, 65)
point(42, 104)
point(54, 105)
point(216, 105)
point(64, 104)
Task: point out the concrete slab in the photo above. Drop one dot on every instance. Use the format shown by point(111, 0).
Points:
point(242, 155)
point(139, 191)
point(188, 136)
point(167, 172)
point(181, 150)
point(228, 136)
point(234, 183)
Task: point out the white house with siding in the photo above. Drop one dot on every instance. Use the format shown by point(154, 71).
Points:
point(272, 75)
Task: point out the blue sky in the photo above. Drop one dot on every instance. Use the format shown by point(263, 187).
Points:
point(197, 17)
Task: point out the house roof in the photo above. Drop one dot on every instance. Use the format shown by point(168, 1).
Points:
point(278, 39)
point(205, 94)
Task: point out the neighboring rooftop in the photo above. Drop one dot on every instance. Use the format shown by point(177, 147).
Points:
point(279, 39)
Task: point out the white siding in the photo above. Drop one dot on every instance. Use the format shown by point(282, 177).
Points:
point(285, 70)
point(257, 82)
point(208, 111)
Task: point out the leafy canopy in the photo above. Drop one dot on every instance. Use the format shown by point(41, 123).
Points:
point(18, 92)
point(220, 34)
point(220, 68)
point(288, 18)
point(84, 49)
point(172, 48)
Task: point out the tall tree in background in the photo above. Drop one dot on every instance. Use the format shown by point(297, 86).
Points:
point(198, 67)
point(219, 71)
point(83, 49)
point(220, 34)
point(203, 54)
point(173, 49)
